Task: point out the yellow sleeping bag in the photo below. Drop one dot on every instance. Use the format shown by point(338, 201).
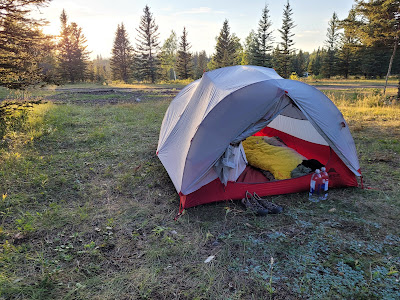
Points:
point(280, 161)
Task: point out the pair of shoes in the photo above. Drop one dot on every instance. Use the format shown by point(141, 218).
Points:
point(252, 204)
point(272, 207)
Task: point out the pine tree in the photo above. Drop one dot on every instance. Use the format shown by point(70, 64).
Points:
point(378, 24)
point(168, 57)
point(24, 49)
point(300, 63)
point(146, 62)
point(286, 45)
point(314, 66)
point(225, 49)
point(349, 48)
point(184, 62)
point(72, 54)
point(277, 58)
point(122, 55)
point(264, 40)
point(329, 65)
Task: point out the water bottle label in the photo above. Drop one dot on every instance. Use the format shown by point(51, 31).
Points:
point(312, 185)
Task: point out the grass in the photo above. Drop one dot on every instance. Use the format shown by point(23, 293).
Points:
point(51, 90)
point(351, 81)
point(87, 213)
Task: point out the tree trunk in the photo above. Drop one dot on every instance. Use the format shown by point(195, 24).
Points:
point(398, 91)
point(396, 42)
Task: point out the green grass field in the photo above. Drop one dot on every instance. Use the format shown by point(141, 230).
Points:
point(87, 213)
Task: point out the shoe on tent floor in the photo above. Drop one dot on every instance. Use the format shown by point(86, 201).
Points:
point(200, 143)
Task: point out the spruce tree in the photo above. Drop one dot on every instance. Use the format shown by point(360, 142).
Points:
point(184, 62)
point(147, 47)
point(329, 66)
point(264, 40)
point(122, 55)
point(73, 56)
point(225, 49)
point(25, 52)
point(286, 45)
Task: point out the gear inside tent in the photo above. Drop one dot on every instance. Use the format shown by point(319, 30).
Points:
point(245, 128)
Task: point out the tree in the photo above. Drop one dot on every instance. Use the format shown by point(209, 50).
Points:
point(286, 45)
point(314, 66)
point(122, 55)
point(101, 69)
point(168, 57)
point(23, 47)
point(250, 49)
point(349, 48)
point(378, 23)
point(238, 49)
point(264, 40)
point(329, 66)
point(72, 54)
point(200, 64)
point(147, 47)
point(300, 63)
point(184, 62)
point(226, 49)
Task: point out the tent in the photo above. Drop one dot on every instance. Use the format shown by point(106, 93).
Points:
point(200, 142)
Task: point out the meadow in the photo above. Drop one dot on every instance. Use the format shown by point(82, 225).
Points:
point(87, 210)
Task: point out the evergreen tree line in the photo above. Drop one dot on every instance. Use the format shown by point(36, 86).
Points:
point(363, 44)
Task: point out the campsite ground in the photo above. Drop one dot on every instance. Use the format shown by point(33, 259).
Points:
point(87, 210)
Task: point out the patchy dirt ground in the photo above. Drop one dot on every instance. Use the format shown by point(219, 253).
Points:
point(110, 96)
point(118, 95)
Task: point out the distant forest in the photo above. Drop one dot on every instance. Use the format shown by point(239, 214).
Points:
point(362, 45)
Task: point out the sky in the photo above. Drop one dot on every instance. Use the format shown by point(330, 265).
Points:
point(203, 19)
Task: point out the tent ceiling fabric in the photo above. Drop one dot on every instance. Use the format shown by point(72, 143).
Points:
point(210, 113)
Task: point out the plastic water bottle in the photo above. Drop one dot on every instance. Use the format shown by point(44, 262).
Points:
point(324, 184)
point(315, 185)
